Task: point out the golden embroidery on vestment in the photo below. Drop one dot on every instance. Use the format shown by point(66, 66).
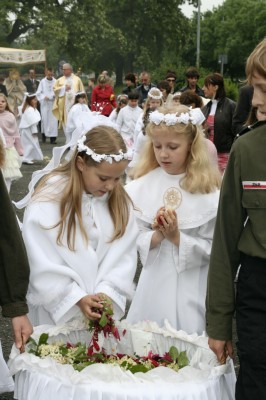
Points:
point(172, 198)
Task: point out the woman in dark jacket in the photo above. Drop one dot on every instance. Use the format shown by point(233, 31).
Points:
point(219, 114)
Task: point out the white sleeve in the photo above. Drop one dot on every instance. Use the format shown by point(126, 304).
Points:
point(34, 129)
point(138, 127)
point(147, 255)
point(53, 284)
point(71, 124)
point(117, 270)
point(195, 245)
point(39, 93)
point(113, 115)
point(2, 137)
point(138, 146)
point(119, 120)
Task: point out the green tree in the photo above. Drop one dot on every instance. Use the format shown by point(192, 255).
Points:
point(154, 30)
point(120, 35)
point(23, 17)
point(234, 29)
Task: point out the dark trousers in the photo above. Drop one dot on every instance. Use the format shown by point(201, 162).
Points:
point(251, 329)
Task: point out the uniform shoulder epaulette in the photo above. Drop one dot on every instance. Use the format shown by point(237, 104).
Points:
point(249, 128)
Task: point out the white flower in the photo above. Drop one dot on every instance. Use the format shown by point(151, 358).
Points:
point(184, 118)
point(96, 157)
point(100, 157)
point(170, 119)
point(109, 159)
point(193, 116)
point(156, 117)
point(196, 116)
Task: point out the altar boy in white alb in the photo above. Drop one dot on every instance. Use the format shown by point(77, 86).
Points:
point(127, 119)
point(45, 95)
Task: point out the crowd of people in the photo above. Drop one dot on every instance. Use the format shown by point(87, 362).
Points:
point(154, 172)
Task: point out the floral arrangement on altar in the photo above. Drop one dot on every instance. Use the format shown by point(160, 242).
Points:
point(80, 356)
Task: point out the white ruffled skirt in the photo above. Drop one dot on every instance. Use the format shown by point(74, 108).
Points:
point(6, 381)
point(11, 168)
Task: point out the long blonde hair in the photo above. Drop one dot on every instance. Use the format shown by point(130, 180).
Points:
point(103, 140)
point(7, 106)
point(202, 175)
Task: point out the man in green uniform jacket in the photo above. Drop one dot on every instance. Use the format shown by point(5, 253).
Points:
point(240, 239)
point(14, 270)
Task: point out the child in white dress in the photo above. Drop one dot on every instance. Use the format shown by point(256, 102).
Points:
point(154, 100)
point(77, 114)
point(28, 126)
point(12, 143)
point(80, 233)
point(176, 197)
point(127, 119)
point(122, 100)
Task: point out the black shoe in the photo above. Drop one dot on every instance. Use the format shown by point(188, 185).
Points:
point(53, 140)
point(43, 138)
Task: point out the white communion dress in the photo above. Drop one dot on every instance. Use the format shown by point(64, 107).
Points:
point(29, 129)
point(173, 280)
point(60, 277)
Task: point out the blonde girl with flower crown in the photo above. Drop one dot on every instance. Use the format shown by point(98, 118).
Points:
point(175, 194)
point(80, 233)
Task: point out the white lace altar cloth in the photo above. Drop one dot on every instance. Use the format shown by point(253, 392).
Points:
point(203, 379)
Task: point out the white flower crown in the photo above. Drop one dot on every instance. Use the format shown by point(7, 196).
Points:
point(100, 157)
point(194, 116)
point(155, 96)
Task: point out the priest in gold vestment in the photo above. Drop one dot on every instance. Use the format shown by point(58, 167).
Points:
point(65, 89)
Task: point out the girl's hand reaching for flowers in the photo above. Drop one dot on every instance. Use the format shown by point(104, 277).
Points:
point(91, 305)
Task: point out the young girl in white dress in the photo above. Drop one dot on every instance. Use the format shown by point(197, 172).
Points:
point(12, 143)
point(176, 196)
point(154, 100)
point(80, 233)
point(122, 100)
point(28, 126)
point(77, 114)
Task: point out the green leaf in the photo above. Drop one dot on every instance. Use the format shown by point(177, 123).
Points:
point(173, 353)
point(81, 366)
point(43, 339)
point(63, 350)
point(32, 341)
point(138, 368)
point(31, 351)
point(103, 321)
point(182, 359)
point(80, 350)
point(108, 310)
